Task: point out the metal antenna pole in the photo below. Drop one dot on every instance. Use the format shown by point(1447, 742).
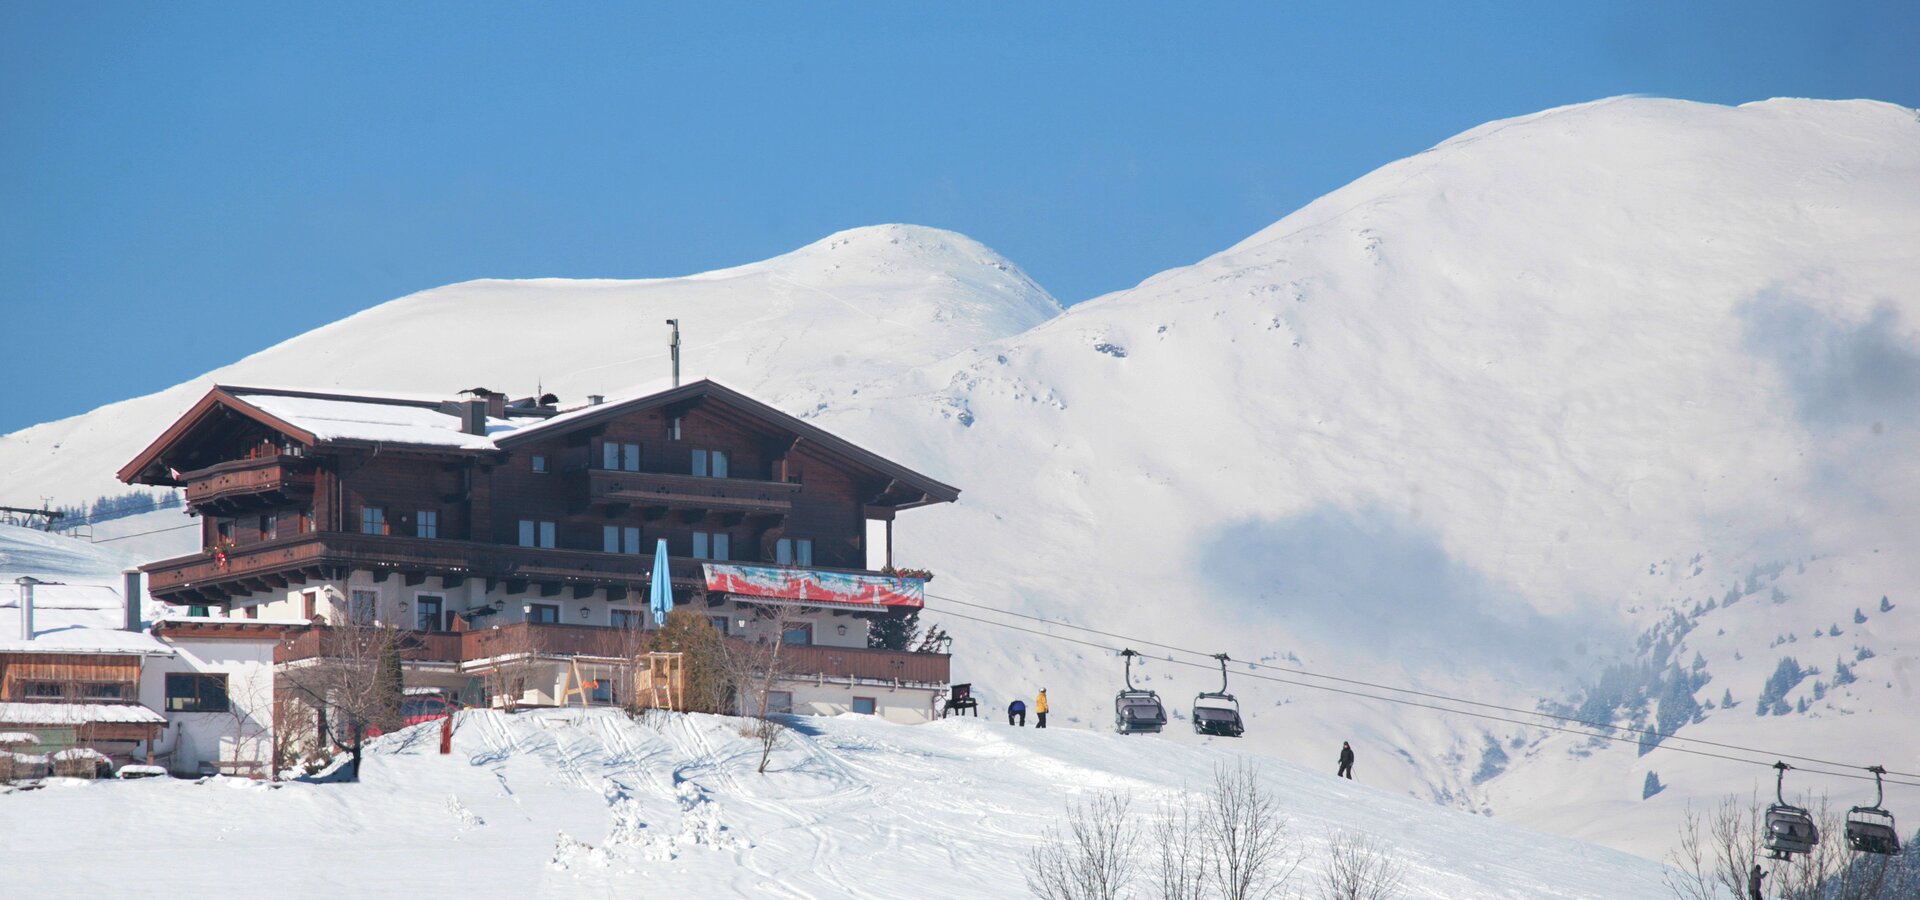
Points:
point(674, 346)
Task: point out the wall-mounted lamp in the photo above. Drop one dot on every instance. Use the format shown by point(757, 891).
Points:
point(843, 629)
point(585, 613)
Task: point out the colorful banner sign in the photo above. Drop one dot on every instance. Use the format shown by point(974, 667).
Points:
point(813, 586)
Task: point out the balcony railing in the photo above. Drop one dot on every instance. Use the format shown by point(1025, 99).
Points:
point(266, 480)
point(690, 491)
point(482, 645)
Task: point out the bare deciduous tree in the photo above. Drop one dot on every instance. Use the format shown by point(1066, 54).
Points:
point(1241, 821)
point(1360, 867)
point(1718, 849)
point(347, 685)
point(754, 669)
point(1179, 872)
point(1092, 859)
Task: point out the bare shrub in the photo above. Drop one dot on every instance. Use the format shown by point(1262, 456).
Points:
point(1240, 819)
point(1092, 859)
point(1360, 867)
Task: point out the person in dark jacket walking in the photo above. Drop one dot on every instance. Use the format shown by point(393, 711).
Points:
point(1017, 713)
point(1753, 883)
point(1346, 761)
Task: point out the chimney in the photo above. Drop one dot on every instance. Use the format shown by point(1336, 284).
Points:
point(674, 346)
point(132, 592)
point(496, 404)
point(473, 417)
point(26, 583)
point(595, 399)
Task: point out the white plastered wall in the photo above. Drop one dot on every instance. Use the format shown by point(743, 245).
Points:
point(245, 732)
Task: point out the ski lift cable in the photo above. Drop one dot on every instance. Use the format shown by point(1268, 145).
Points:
point(1443, 709)
point(145, 533)
point(1645, 732)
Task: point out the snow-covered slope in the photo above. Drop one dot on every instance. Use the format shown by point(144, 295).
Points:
point(1476, 421)
point(858, 305)
point(1483, 421)
point(569, 804)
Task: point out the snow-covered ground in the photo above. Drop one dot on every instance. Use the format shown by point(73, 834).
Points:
point(1483, 421)
point(590, 804)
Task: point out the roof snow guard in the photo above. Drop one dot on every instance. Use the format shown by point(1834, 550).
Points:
point(318, 419)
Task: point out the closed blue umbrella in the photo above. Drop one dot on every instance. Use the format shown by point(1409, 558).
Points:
point(660, 595)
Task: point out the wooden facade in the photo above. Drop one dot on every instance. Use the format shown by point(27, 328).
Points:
point(522, 499)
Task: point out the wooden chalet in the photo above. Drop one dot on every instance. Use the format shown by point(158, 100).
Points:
point(471, 520)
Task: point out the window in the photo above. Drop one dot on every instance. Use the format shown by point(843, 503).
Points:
point(269, 527)
point(719, 623)
point(539, 464)
point(543, 613)
point(197, 612)
point(309, 605)
point(426, 612)
point(619, 539)
point(623, 618)
point(710, 463)
point(536, 534)
point(711, 545)
point(253, 612)
point(373, 520)
point(794, 552)
point(42, 690)
point(863, 705)
point(196, 693)
point(223, 530)
point(427, 523)
point(615, 456)
point(793, 476)
point(107, 691)
point(306, 521)
point(673, 428)
point(799, 633)
point(361, 605)
point(779, 703)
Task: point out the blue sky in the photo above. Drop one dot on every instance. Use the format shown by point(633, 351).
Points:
point(183, 184)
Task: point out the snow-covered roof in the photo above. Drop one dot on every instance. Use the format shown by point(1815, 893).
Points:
point(90, 640)
point(229, 620)
point(18, 738)
point(78, 714)
point(371, 419)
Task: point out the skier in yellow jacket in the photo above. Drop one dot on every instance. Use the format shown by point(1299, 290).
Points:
point(1040, 709)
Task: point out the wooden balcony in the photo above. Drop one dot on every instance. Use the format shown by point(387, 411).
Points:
point(690, 493)
point(244, 484)
point(470, 648)
point(205, 578)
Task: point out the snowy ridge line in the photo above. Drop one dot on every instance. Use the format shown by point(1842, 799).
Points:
point(1460, 712)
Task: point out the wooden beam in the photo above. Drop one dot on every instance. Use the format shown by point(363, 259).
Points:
point(551, 588)
point(616, 594)
point(414, 579)
point(513, 585)
point(380, 575)
point(582, 591)
point(452, 581)
point(275, 580)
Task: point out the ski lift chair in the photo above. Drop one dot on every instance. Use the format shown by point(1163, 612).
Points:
point(1790, 829)
point(1870, 829)
point(1217, 713)
point(1137, 711)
